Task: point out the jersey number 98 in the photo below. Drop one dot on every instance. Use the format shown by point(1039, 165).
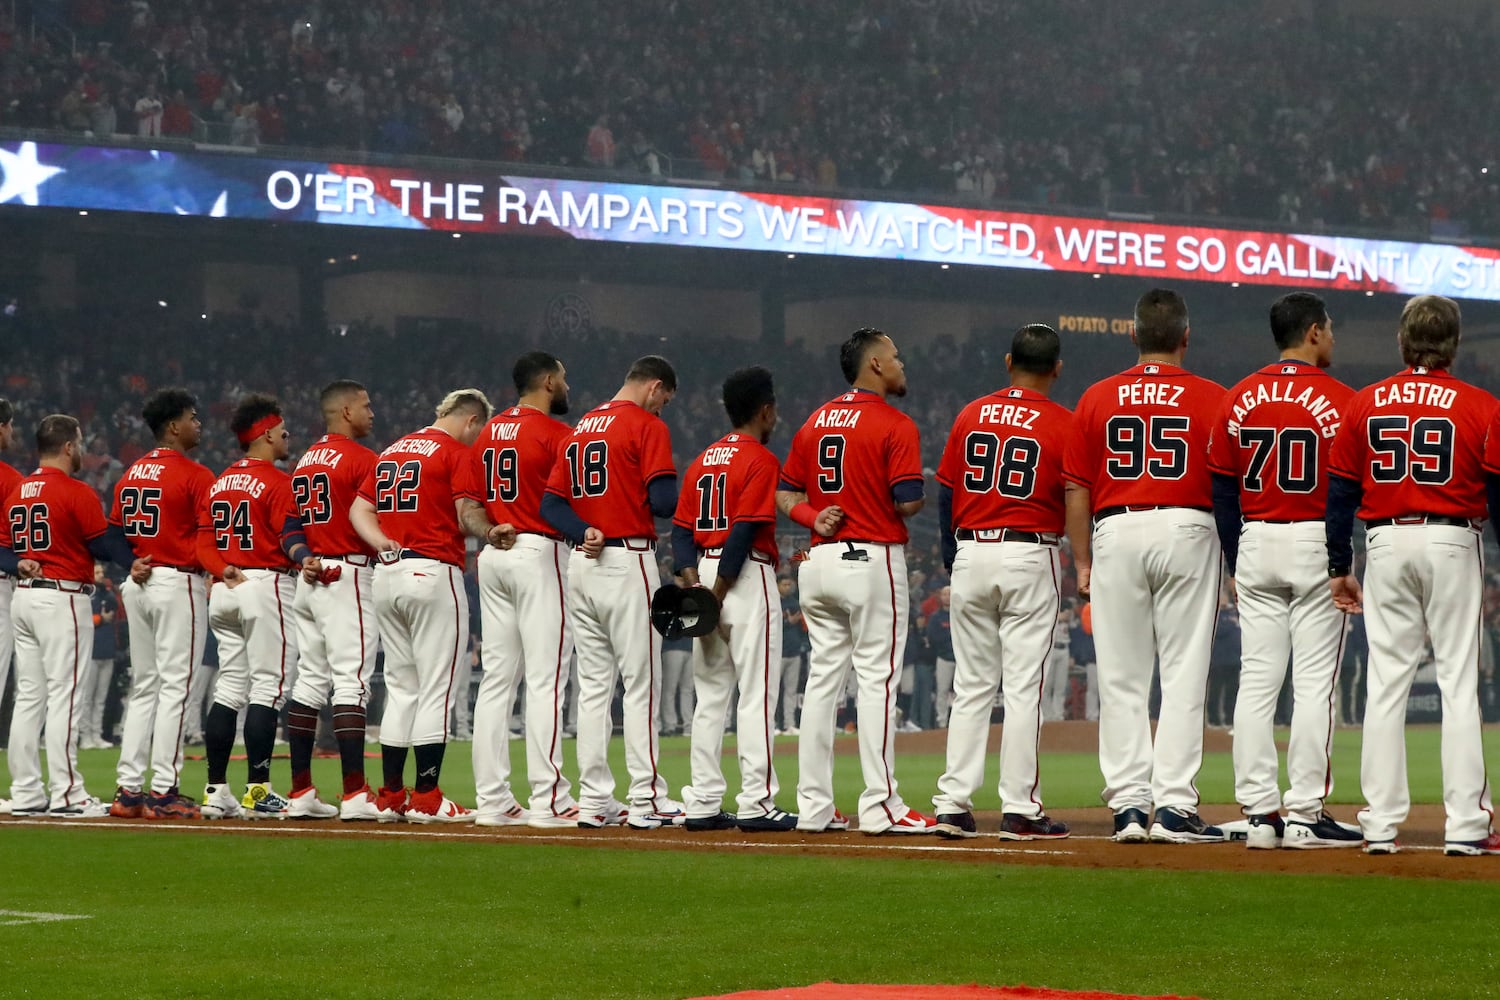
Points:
point(1010, 469)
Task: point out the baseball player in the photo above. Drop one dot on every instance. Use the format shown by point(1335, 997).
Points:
point(159, 503)
point(1137, 465)
point(1411, 458)
point(853, 476)
point(1269, 458)
point(1000, 510)
point(615, 476)
point(254, 543)
point(414, 508)
point(54, 529)
point(9, 479)
point(523, 593)
point(335, 613)
point(724, 538)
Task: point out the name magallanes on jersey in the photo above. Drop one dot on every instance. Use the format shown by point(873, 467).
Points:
point(330, 457)
point(1319, 406)
point(238, 481)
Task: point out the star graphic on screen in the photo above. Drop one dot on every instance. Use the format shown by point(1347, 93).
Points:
point(23, 174)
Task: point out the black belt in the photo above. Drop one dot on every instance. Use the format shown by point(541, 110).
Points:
point(1406, 519)
point(633, 544)
point(1104, 512)
point(65, 586)
point(1005, 535)
point(354, 559)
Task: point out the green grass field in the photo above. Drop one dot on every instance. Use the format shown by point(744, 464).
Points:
point(189, 916)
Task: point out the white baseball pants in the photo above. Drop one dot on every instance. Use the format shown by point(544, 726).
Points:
point(1282, 585)
point(54, 640)
point(257, 638)
point(856, 612)
point(7, 629)
point(1006, 597)
point(168, 628)
point(422, 612)
point(1155, 587)
point(943, 696)
point(523, 595)
point(336, 636)
point(1423, 580)
point(748, 661)
point(609, 603)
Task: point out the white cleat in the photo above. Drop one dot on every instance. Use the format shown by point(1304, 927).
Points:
point(435, 807)
point(554, 821)
point(514, 816)
point(261, 801)
point(362, 806)
point(306, 805)
point(668, 812)
point(89, 808)
point(219, 803)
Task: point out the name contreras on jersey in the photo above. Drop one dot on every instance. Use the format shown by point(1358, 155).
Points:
point(330, 457)
point(1422, 393)
point(719, 455)
point(1315, 403)
point(594, 425)
point(837, 418)
point(420, 446)
point(1008, 413)
point(146, 470)
point(239, 481)
point(1149, 394)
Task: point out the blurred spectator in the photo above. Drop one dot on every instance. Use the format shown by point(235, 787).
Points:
point(794, 647)
point(940, 642)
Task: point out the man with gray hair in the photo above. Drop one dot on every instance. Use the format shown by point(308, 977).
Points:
point(424, 495)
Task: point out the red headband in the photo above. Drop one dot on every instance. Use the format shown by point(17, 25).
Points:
point(258, 428)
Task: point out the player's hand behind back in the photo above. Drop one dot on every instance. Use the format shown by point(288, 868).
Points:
point(1348, 596)
point(828, 520)
point(593, 543)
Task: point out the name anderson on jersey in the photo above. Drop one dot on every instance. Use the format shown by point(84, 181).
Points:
point(238, 481)
point(1315, 403)
point(421, 446)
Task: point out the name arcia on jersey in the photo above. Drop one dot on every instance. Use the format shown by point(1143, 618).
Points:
point(238, 481)
point(1315, 403)
point(330, 457)
point(837, 418)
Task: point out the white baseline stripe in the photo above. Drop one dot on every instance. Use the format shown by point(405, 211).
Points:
point(16, 918)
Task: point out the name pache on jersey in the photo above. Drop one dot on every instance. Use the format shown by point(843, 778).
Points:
point(1315, 403)
point(149, 471)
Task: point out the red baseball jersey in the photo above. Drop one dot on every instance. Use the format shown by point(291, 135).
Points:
point(851, 452)
point(1416, 443)
point(10, 478)
point(1004, 461)
point(324, 485)
point(51, 517)
point(416, 485)
point(607, 463)
point(247, 510)
point(1273, 434)
point(159, 504)
point(734, 480)
point(517, 451)
point(1140, 439)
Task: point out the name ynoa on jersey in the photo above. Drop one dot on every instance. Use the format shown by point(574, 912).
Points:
point(1319, 406)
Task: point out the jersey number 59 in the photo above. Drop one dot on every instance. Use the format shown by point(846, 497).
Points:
point(1402, 448)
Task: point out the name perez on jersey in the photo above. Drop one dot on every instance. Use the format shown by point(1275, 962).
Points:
point(1011, 414)
point(1319, 406)
point(241, 482)
point(1149, 394)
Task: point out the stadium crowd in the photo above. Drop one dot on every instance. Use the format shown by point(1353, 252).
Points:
point(1136, 108)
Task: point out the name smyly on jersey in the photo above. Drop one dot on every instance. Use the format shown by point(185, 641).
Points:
point(1319, 406)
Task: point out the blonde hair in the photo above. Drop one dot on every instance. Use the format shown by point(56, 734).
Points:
point(470, 400)
point(1429, 331)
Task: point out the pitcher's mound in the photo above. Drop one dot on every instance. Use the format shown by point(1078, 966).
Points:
point(856, 991)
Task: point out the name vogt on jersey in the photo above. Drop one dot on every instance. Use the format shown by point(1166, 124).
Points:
point(1315, 403)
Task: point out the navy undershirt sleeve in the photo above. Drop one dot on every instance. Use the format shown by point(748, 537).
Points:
point(684, 549)
point(1492, 489)
point(945, 526)
point(1227, 517)
point(661, 496)
point(1344, 496)
point(10, 563)
point(559, 513)
point(111, 547)
point(908, 490)
point(737, 549)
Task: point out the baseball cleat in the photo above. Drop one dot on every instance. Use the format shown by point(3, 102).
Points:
point(775, 821)
point(554, 820)
point(839, 824)
point(1178, 826)
point(1265, 831)
point(127, 804)
point(1473, 848)
point(514, 816)
point(89, 808)
point(668, 812)
point(40, 810)
point(1016, 827)
point(4, 807)
point(956, 826)
point(912, 822)
point(171, 805)
point(260, 801)
point(1130, 827)
point(305, 804)
point(614, 814)
point(219, 803)
point(435, 807)
point(361, 806)
point(720, 820)
point(391, 804)
point(1382, 847)
point(1325, 831)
